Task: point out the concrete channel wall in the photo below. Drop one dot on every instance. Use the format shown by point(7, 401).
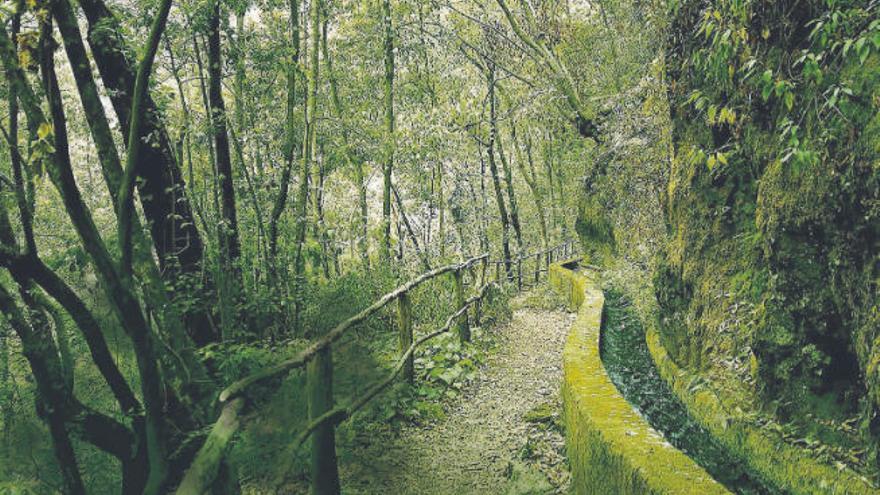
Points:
point(611, 449)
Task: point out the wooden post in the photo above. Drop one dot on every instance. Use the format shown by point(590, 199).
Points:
point(483, 265)
point(319, 392)
point(519, 273)
point(478, 306)
point(537, 268)
point(464, 331)
point(404, 323)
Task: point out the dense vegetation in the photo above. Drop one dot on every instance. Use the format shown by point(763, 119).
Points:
point(194, 191)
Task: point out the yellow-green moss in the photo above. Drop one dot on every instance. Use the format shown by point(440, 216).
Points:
point(788, 467)
point(611, 449)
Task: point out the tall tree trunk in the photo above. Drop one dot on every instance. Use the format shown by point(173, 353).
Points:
point(239, 68)
point(493, 169)
point(389, 139)
point(531, 179)
point(5, 394)
point(548, 168)
point(511, 195)
point(441, 206)
point(230, 248)
point(320, 227)
point(290, 137)
point(309, 141)
point(161, 187)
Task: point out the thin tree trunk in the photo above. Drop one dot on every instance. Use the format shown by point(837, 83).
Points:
point(548, 168)
point(290, 137)
point(255, 201)
point(186, 138)
point(532, 181)
point(389, 139)
point(319, 212)
point(421, 254)
point(493, 169)
point(309, 141)
point(511, 195)
point(441, 205)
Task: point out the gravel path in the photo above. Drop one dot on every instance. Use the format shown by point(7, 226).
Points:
point(500, 437)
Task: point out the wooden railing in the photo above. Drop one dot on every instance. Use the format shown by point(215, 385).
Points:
point(317, 359)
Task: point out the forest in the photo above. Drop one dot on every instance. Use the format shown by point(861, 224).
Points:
point(441, 247)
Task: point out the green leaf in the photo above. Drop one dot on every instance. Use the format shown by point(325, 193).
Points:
point(789, 100)
point(863, 54)
point(45, 130)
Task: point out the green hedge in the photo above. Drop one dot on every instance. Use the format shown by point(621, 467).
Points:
point(788, 467)
point(611, 449)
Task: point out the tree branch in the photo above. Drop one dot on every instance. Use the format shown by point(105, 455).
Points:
point(126, 190)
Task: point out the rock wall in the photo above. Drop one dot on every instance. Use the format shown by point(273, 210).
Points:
point(772, 263)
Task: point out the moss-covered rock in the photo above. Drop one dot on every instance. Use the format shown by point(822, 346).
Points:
point(773, 200)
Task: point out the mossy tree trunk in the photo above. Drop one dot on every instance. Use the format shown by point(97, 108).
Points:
point(308, 156)
point(324, 471)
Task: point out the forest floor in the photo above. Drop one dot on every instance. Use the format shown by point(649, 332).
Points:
point(501, 436)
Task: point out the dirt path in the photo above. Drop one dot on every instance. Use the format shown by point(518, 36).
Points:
point(499, 438)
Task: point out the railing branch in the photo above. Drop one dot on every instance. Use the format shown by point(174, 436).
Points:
point(308, 353)
point(341, 413)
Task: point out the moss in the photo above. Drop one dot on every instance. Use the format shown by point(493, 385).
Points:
point(543, 413)
point(772, 257)
point(611, 449)
point(792, 469)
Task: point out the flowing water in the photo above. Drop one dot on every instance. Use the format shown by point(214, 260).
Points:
point(631, 368)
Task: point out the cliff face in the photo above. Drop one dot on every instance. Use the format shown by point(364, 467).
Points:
point(772, 264)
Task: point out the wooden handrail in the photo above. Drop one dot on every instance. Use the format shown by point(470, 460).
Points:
point(308, 353)
point(341, 413)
